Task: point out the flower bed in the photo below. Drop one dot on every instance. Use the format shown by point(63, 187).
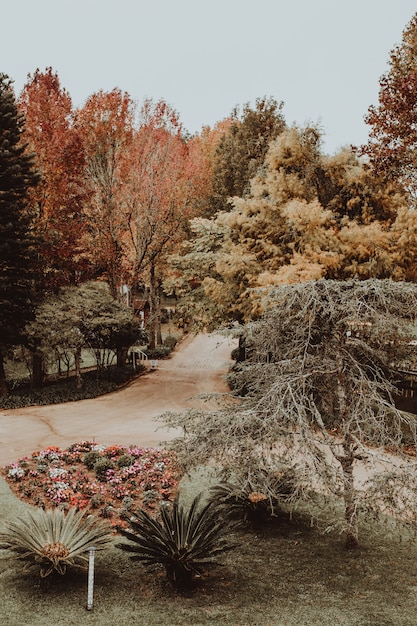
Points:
point(110, 480)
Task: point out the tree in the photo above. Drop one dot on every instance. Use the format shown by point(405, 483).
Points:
point(318, 394)
point(392, 146)
point(59, 198)
point(161, 192)
point(106, 123)
point(81, 317)
point(242, 149)
point(307, 216)
point(18, 252)
point(106, 324)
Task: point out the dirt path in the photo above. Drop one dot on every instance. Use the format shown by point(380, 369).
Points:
point(125, 417)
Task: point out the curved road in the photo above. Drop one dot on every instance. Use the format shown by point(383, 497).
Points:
point(198, 365)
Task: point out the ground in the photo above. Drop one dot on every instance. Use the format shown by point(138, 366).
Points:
point(198, 365)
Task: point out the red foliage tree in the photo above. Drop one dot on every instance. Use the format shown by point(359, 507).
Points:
point(106, 123)
point(165, 178)
point(392, 146)
point(62, 192)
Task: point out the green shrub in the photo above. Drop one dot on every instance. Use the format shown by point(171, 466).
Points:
point(101, 468)
point(150, 496)
point(52, 540)
point(185, 542)
point(170, 342)
point(127, 503)
point(97, 500)
point(125, 460)
point(91, 458)
point(160, 352)
point(95, 383)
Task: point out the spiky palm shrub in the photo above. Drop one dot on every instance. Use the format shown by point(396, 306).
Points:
point(185, 542)
point(254, 499)
point(53, 540)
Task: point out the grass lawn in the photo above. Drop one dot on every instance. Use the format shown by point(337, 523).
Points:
point(283, 574)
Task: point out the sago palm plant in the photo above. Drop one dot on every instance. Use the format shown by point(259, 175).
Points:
point(53, 540)
point(184, 541)
point(254, 498)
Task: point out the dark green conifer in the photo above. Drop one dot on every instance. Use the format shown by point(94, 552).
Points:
point(18, 254)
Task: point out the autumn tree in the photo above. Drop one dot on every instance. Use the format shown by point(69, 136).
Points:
point(162, 189)
point(59, 198)
point(392, 145)
point(106, 123)
point(18, 251)
point(317, 394)
point(307, 216)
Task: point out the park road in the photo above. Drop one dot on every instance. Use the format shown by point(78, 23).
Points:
point(126, 417)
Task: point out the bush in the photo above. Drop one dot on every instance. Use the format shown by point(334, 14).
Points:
point(185, 542)
point(95, 383)
point(170, 342)
point(53, 540)
point(125, 460)
point(160, 352)
point(91, 458)
point(102, 467)
point(254, 499)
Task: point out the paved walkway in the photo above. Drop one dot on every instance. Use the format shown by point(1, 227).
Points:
point(198, 365)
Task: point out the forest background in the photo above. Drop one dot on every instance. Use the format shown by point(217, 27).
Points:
point(219, 218)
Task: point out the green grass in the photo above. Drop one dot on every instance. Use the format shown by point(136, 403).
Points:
point(283, 574)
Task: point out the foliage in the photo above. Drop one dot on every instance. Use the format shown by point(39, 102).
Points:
point(242, 148)
point(18, 246)
point(63, 191)
point(91, 458)
point(101, 469)
point(54, 540)
point(264, 577)
point(392, 147)
point(65, 478)
point(306, 217)
point(319, 386)
point(82, 317)
point(160, 352)
point(105, 123)
point(184, 541)
point(254, 498)
point(163, 184)
point(65, 390)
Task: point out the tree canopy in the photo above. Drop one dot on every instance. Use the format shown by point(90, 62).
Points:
point(77, 317)
point(242, 149)
point(307, 216)
point(392, 146)
point(59, 198)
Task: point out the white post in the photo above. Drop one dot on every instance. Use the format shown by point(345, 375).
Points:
point(90, 578)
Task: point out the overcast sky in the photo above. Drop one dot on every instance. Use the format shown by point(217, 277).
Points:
point(322, 58)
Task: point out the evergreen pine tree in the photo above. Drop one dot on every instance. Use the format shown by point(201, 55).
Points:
point(18, 255)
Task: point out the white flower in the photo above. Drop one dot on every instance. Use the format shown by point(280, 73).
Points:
point(16, 472)
point(55, 472)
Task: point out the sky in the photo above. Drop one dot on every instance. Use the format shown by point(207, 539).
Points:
point(322, 58)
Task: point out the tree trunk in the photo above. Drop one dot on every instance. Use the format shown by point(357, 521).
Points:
point(121, 356)
point(152, 308)
point(38, 373)
point(347, 460)
point(77, 362)
point(4, 390)
point(351, 515)
point(159, 340)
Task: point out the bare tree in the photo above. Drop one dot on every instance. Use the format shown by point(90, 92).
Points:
point(316, 393)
